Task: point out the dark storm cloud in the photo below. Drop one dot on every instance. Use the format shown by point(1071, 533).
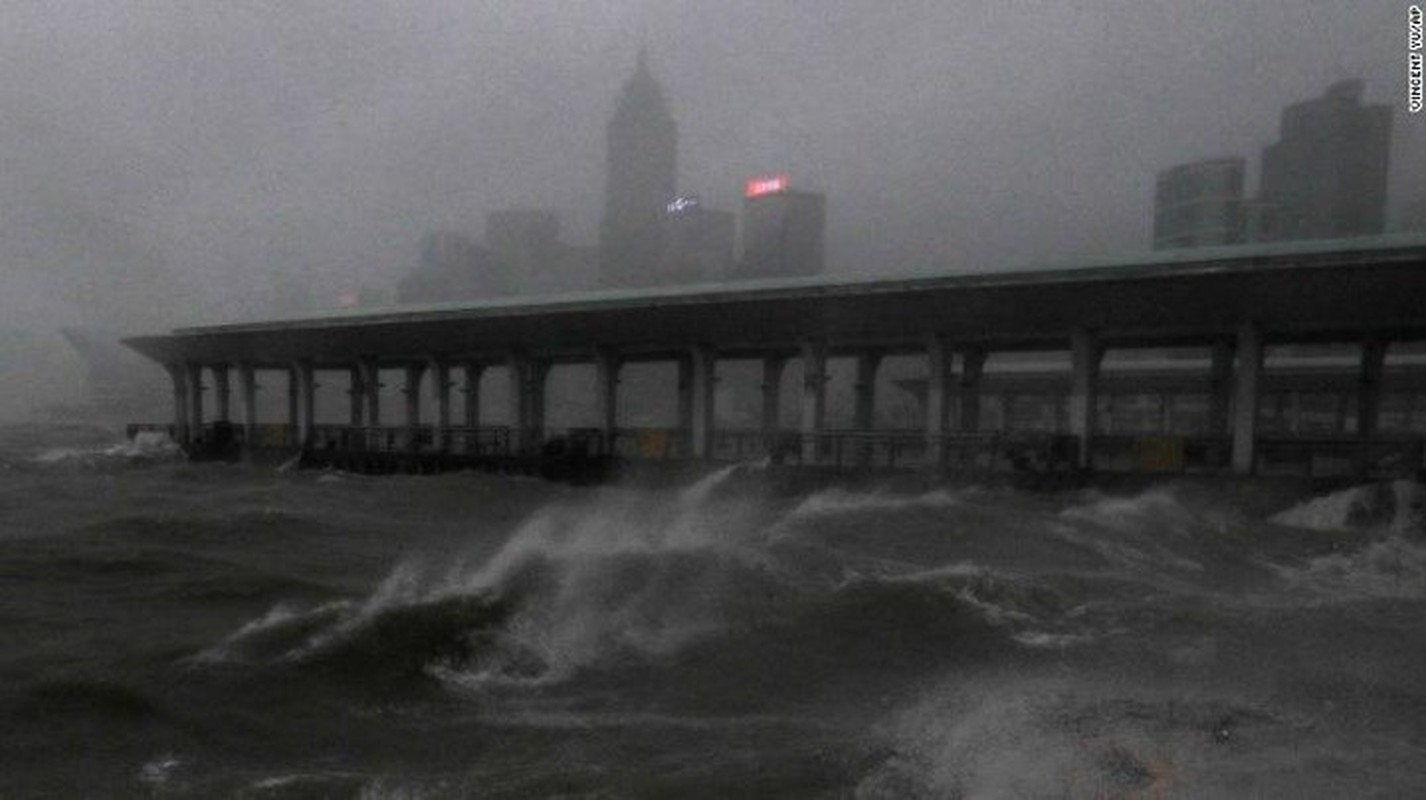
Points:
point(171, 161)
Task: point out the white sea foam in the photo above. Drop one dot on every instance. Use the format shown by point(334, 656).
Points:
point(1395, 507)
point(834, 502)
point(1394, 567)
point(146, 445)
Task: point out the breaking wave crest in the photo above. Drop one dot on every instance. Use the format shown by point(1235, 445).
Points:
point(623, 577)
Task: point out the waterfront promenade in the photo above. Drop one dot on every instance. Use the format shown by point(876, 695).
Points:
point(1198, 361)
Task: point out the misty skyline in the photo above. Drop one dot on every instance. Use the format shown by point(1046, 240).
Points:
point(214, 161)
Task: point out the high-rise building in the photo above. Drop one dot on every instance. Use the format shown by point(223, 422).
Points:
point(640, 181)
point(1327, 173)
point(1199, 204)
point(527, 234)
point(698, 242)
point(454, 267)
point(783, 230)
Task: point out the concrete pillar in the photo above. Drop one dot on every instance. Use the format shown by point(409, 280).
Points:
point(1086, 354)
point(972, 368)
point(685, 393)
point(1246, 394)
point(193, 392)
point(606, 377)
point(703, 361)
point(864, 412)
point(294, 406)
point(303, 378)
point(412, 392)
point(179, 377)
point(527, 403)
point(441, 385)
point(814, 398)
point(939, 392)
point(247, 397)
point(473, 371)
point(355, 397)
point(1369, 391)
point(864, 409)
point(1220, 388)
point(772, 394)
point(221, 406)
point(371, 389)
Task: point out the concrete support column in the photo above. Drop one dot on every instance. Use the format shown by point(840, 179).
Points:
point(606, 377)
point(703, 361)
point(527, 403)
point(473, 371)
point(412, 392)
point(772, 394)
point(371, 390)
point(685, 394)
point(355, 397)
point(193, 392)
point(294, 406)
point(1246, 394)
point(221, 405)
point(1220, 388)
point(179, 376)
point(939, 393)
point(1086, 354)
point(247, 397)
point(864, 411)
point(814, 397)
point(1369, 393)
point(303, 380)
point(972, 368)
point(441, 385)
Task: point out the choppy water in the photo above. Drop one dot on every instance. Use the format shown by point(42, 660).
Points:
point(214, 630)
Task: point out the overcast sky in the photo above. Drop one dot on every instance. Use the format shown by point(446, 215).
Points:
point(177, 161)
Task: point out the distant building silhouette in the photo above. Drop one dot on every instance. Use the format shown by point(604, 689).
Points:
point(1324, 178)
point(640, 181)
point(1199, 204)
point(454, 267)
point(783, 230)
point(698, 242)
point(1327, 173)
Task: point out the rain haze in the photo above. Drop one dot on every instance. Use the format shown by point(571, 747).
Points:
point(738, 398)
point(196, 162)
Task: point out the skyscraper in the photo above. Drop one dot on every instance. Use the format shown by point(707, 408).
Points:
point(640, 181)
point(1199, 204)
point(698, 242)
point(1327, 173)
point(783, 230)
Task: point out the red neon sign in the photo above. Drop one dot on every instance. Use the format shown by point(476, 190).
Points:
point(757, 187)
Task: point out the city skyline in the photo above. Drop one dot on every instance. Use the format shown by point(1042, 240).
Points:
point(313, 147)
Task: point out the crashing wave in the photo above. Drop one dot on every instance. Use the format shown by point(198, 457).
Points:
point(143, 447)
point(1393, 507)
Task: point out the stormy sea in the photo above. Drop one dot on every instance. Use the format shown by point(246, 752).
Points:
point(217, 630)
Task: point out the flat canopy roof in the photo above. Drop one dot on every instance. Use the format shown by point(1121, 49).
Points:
point(1304, 291)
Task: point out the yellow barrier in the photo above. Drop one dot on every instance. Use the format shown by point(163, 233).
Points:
point(1161, 454)
point(653, 444)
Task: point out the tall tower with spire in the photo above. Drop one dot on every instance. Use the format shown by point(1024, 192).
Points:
point(641, 170)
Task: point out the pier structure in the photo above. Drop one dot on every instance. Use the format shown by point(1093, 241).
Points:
point(1249, 318)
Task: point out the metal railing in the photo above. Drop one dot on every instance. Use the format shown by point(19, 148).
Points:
point(1160, 453)
point(1379, 457)
point(843, 450)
